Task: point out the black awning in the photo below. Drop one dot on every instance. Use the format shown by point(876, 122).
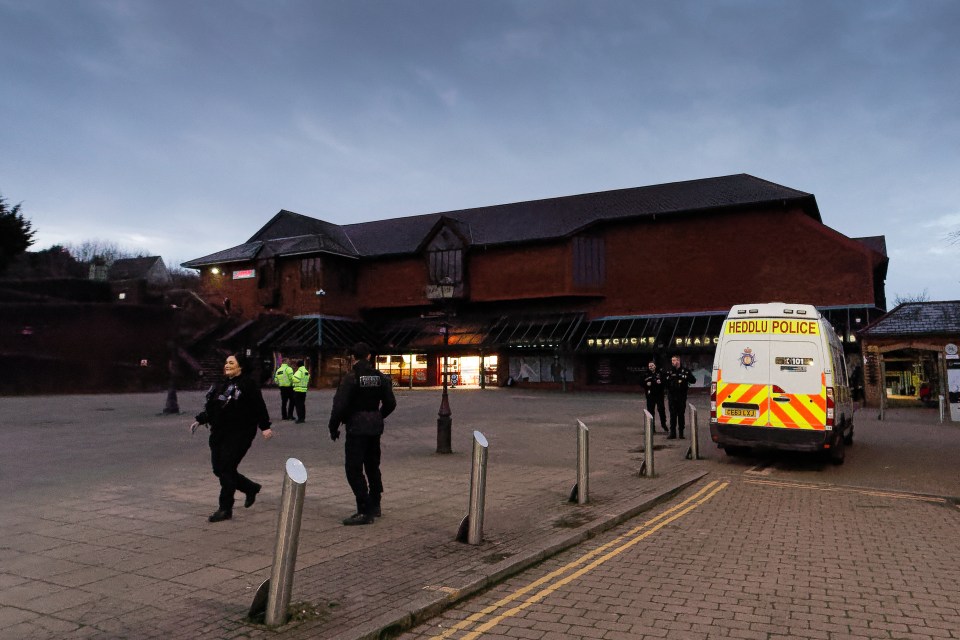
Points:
point(541, 331)
point(315, 331)
point(652, 333)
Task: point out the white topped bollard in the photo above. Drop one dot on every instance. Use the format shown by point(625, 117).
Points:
point(581, 490)
point(693, 453)
point(471, 527)
point(646, 468)
point(288, 538)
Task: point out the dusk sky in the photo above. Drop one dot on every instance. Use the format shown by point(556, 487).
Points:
point(179, 127)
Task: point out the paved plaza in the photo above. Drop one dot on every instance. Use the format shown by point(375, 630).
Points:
point(104, 525)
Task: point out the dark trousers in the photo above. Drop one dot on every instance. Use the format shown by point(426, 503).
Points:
point(286, 402)
point(225, 457)
point(362, 464)
point(300, 404)
point(654, 403)
point(678, 410)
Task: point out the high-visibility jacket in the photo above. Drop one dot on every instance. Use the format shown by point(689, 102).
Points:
point(284, 375)
point(301, 380)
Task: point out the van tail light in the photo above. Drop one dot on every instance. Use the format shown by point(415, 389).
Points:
point(713, 402)
point(829, 407)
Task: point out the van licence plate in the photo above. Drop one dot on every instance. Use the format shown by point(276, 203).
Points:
point(740, 413)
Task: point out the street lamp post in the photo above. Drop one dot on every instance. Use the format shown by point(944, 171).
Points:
point(444, 420)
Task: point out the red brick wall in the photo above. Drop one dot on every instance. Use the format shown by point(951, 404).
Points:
point(679, 264)
point(703, 263)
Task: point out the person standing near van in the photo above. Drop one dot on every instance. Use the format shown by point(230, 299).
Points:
point(677, 379)
point(653, 385)
point(284, 379)
point(363, 401)
point(301, 382)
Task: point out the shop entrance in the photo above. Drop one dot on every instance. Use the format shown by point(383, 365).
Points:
point(464, 371)
point(911, 377)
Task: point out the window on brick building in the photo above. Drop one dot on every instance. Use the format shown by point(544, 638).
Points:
point(589, 261)
point(446, 265)
point(311, 273)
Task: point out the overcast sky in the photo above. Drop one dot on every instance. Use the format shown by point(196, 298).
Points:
point(179, 127)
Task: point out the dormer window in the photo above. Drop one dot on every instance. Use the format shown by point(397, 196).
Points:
point(446, 266)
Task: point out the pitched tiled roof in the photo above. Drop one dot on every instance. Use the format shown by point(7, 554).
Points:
point(518, 222)
point(131, 268)
point(918, 318)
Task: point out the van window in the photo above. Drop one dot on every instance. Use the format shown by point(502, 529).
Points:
point(746, 361)
point(796, 366)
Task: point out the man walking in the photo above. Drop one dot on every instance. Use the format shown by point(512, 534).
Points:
point(677, 380)
point(653, 384)
point(362, 402)
point(301, 382)
point(284, 379)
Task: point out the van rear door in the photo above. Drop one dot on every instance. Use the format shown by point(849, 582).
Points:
point(797, 385)
point(743, 382)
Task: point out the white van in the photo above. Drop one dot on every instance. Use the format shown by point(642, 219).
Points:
point(780, 381)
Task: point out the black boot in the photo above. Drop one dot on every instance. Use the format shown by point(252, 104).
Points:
point(673, 435)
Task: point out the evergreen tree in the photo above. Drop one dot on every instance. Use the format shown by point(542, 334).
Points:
point(16, 234)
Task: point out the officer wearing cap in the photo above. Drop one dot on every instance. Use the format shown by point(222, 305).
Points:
point(362, 402)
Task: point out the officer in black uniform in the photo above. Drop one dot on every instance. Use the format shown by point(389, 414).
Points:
point(362, 402)
point(653, 384)
point(677, 380)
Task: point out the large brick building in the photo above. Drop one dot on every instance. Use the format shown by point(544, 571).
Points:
point(580, 290)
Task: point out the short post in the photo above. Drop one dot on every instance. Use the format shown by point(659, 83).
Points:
point(647, 469)
point(288, 537)
point(693, 453)
point(941, 409)
point(581, 490)
point(883, 388)
point(471, 528)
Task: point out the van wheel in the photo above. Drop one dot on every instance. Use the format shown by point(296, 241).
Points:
point(838, 451)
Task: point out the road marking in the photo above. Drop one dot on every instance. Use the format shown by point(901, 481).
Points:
point(632, 537)
point(867, 492)
point(762, 469)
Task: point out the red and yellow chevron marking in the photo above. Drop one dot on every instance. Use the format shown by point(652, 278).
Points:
point(804, 411)
point(757, 394)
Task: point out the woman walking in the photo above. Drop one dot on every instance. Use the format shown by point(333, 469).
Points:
point(234, 411)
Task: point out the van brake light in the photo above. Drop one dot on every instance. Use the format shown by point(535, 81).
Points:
point(713, 401)
point(829, 407)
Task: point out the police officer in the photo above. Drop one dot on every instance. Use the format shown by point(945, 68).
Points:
point(677, 379)
point(284, 379)
point(363, 400)
point(301, 382)
point(653, 384)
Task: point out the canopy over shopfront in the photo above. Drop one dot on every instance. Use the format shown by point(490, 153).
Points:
point(552, 332)
point(311, 332)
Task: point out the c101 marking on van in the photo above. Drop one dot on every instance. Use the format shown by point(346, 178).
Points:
point(803, 362)
point(775, 327)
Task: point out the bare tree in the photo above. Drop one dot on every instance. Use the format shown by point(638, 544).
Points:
point(923, 296)
point(108, 250)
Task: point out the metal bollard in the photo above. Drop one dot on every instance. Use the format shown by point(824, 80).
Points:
point(471, 527)
point(288, 537)
point(581, 490)
point(646, 469)
point(941, 409)
point(693, 453)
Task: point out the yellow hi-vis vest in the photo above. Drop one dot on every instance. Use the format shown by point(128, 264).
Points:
point(301, 380)
point(284, 375)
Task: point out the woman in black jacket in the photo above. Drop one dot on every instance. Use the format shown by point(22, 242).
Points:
point(234, 410)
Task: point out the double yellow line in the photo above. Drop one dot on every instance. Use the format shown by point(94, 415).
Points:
point(587, 563)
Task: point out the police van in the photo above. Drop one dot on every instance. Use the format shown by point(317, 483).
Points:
point(780, 381)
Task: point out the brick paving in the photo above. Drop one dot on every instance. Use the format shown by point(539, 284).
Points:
point(103, 530)
point(787, 554)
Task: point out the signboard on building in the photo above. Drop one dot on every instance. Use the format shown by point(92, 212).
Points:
point(243, 274)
